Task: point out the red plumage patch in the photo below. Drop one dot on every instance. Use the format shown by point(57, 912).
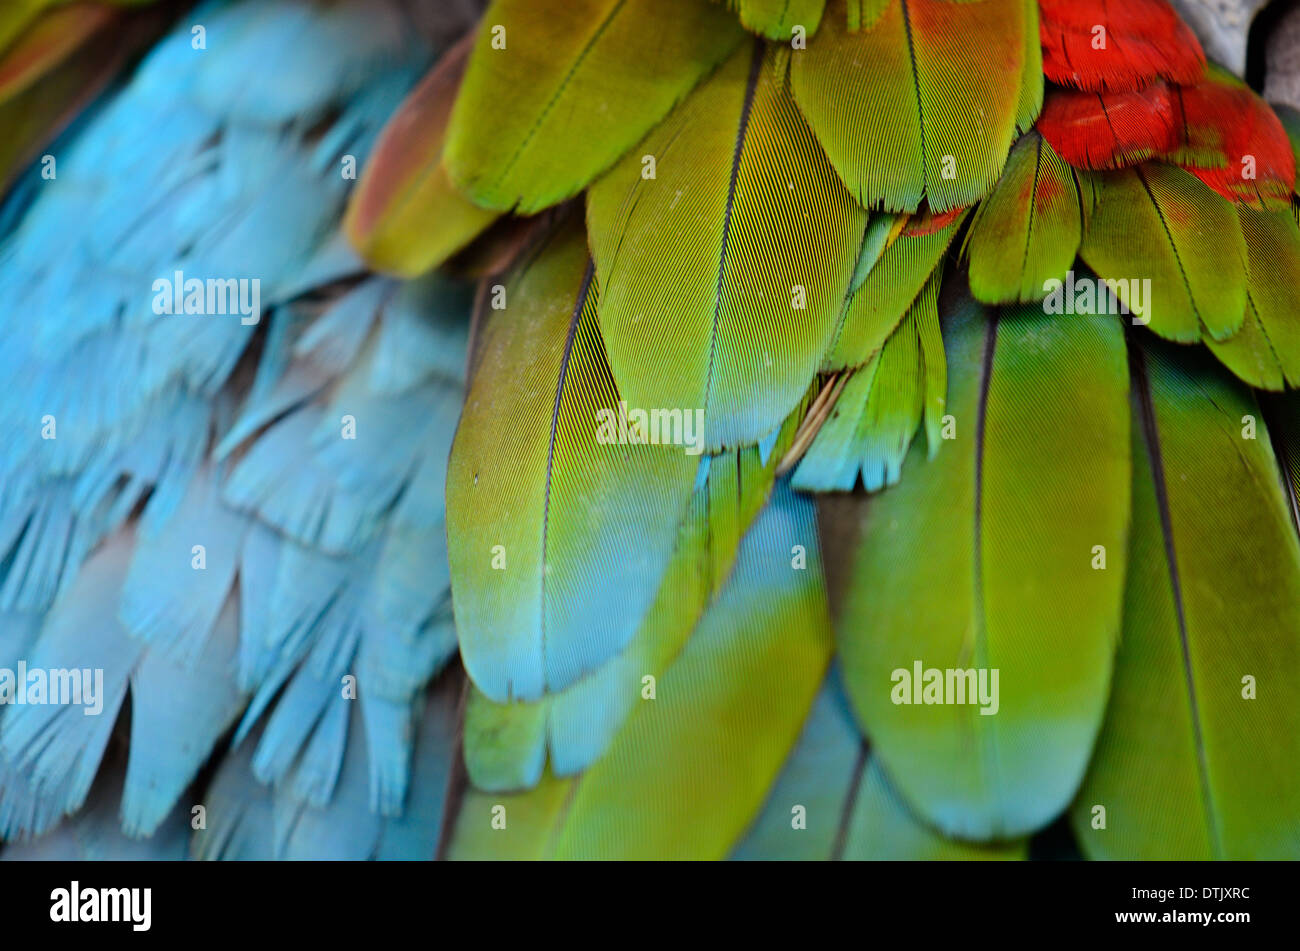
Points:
point(1110, 45)
point(927, 222)
point(1110, 130)
point(1251, 157)
point(1218, 130)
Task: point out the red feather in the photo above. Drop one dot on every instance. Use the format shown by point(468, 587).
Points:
point(927, 222)
point(1108, 45)
point(1110, 129)
point(1251, 160)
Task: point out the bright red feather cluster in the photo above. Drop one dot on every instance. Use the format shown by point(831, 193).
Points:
point(1141, 90)
point(1112, 45)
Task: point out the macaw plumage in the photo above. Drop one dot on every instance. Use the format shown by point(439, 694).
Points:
point(869, 437)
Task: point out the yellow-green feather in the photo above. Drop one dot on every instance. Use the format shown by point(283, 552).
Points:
point(1027, 231)
point(506, 743)
point(689, 771)
point(777, 19)
point(892, 103)
point(986, 557)
point(1265, 352)
point(879, 409)
point(1192, 762)
point(557, 538)
point(569, 87)
point(722, 276)
point(1159, 223)
point(886, 295)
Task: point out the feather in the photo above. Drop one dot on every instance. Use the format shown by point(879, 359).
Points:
point(1265, 352)
point(1031, 79)
point(181, 574)
point(1101, 46)
point(519, 827)
point(39, 101)
point(247, 820)
point(505, 743)
point(178, 712)
point(1027, 232)
point(584, 81)
point(688, 771)
point(969, 565)
point(879, 409)
point(579, 531)
point(891, 104)
point(405, 216)
point(1190, 765)
point(1160, 224)
point(1253, 161)
point(891, 287)
point(845, 806)
point(95, 834)
point(1108, 130)
point(734, 258)
point(777, 19)
point(58, 747)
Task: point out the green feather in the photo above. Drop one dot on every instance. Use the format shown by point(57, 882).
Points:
point(1160, 223)
point(863, 14)
point(1031, 79)
point(734, 259)
point(690, 770)
point(878, 412)
point(849, 809)
point(575, 86)
point(1187, 767)
point(892, 103)
point(984, 557)
point(887, 293)
point(776, 19)
point(1028, 230)
point(505, 744)
point(557, 539)
point(1265, 352)
point(516, 827)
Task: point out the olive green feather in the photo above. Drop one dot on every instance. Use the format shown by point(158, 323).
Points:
point(1159, 223)
point(1004, 552)
point(1197, 759)
point(884, 297)
point(506, 744)
point(892, 103)
point(405, 216)
point(880, 407)
point(778, 19)
point(1030, 103)
point(690, 769)
point(1265, 352)
point(832, 801)
point(555, 93)
point(561, 522)
point(723, 274)
point(1027, 231)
